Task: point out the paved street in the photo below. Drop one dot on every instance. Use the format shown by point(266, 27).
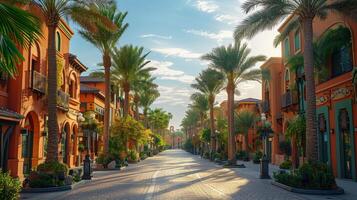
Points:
point(176, 174)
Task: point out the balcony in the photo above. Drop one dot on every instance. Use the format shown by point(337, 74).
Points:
point(38, 82)
point(265, 107)
point(62, 100)
point(289, 99)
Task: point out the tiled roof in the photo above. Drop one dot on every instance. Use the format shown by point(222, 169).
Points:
point(4, 112)
point(252, 100)
point(87, 89)
point(89, 79)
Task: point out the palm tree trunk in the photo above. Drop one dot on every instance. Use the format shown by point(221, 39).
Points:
point(311, 131)
point(107, 65)
point(213, 132)
point(246, 142)
point(126, 100)
point(231, 138)
point(52, 146)
point(136, 103)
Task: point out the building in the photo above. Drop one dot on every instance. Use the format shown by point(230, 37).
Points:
point(23, 102)
point(284, 94)
point(252, 105)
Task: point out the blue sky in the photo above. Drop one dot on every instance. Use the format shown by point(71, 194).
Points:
point(177, 33)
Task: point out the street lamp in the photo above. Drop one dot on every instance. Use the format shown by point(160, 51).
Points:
point(264, 161)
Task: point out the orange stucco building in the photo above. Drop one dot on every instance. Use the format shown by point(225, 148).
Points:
point(284, 95)
point(23, 102)
point(252, 105)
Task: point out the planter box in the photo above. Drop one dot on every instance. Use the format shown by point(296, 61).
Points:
point(336, 191)
point(52, 189)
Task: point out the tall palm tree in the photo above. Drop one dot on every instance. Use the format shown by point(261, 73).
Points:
point(245, 120)
point(234, 61)
point(82, 13)
point(129, 64)
point(141, 86)
point(147, 96)
point(105, 39)
point(267, 13)
point(210, 82)
point(200, 105)
point(18, 27)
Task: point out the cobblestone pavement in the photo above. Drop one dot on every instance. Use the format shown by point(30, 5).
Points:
point(176, 174)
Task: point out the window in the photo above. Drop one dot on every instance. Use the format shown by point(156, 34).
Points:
point(287, 79)
point(58, 41)
point(286, 48)
point(297, 42)
point(341, 61)
point(72, 89)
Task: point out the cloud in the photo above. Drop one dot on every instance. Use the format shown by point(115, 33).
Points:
point(177, 52)
point(164, 71)
point(221, 35)
point(226, 18)
point(206, 6)
point(156, 36)
point(181, 97)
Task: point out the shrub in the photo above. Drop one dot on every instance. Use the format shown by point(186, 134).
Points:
point(133, 155)
point(206, 155)
point(53, 167)
point(216, 156)
point(285, 147)
point(286, 164)
point(309, 176)
point(143, 155)
point(42, 180)
point(9, 187)
point(242, 155)
point(257, 156)
point(104, 159)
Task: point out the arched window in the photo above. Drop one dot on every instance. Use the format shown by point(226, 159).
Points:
point(58, 41)
point(297, 41)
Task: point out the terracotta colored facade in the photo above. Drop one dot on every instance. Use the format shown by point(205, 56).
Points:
point(335, 97)
point(23, 103)
point(252, 105)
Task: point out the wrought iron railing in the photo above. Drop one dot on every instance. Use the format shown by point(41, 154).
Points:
point(38, 82)
point(62, 100)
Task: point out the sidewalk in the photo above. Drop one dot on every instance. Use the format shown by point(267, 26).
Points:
point(349, 186)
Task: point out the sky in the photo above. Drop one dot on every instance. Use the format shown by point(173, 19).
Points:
point(177, 33)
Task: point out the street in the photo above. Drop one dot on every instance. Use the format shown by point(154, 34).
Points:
point(175, 174)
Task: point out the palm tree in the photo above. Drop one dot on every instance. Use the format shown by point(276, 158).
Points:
point(84, 14)
point(147, 96)
point(200, 105)
point(245, 120)
point(129, 64)
point(271, 13)
point(210, 82)
point(141, 86)
point(18, 27)
point(234, 61)
point(105, 39)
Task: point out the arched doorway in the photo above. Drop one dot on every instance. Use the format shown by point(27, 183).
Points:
point(29, 142)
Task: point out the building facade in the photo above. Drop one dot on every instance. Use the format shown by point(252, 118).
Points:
point(23, 102)
point(284, 94)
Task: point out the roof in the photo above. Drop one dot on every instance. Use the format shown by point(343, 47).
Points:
point(10, 115)
point(89, 79)
point(73, 60)
point(85, 89)
point(248, 100)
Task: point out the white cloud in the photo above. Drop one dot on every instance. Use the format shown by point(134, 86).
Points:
point(181, 97)
point(156, 36)
point(226, 18)
point(177, 52)
point(221, 35)
point(164, 71)
point(206, 6)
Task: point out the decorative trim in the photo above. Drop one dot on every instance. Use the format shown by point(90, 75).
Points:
point(322, 100)
point(340, 93)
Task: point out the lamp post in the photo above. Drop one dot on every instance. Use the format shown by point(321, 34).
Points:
point(264, 161)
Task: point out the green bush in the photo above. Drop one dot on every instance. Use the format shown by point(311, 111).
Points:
point(9, 187)
point(133, 155)
point(216, 156)
point(104, 159)
point(287, 164)
point(188, 146)
point(242, 155)
point(257, 156)
point(206, 155)
point(53, 167)
point(42, 180)
point(309, 176)
point(143, 155)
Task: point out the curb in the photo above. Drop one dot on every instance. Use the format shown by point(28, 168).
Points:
point(337, 191)
point(53, 189)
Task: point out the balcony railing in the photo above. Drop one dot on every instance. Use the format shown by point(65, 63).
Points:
point(289, 99)
point(38, 82)
point(265, 106)
point(62, 100)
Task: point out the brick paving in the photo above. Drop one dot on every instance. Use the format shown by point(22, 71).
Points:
point(176, 174)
